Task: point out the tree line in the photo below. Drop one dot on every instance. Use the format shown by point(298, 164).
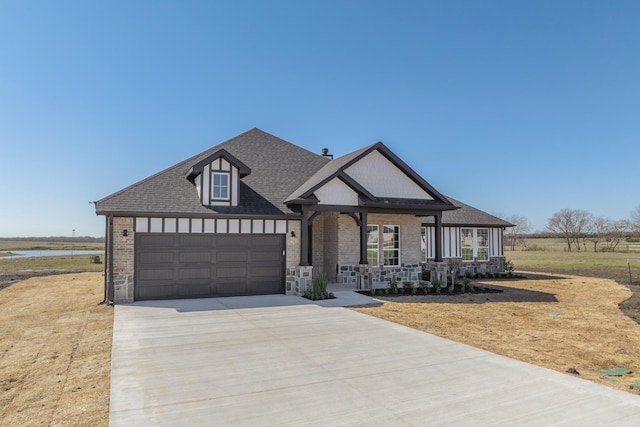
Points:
point(580, 229)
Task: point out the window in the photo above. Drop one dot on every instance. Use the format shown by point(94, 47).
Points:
point(467, 244)
point(391, 244)
point(220, 188)
point(423, 244)
point(482, 244)
point(475, 244)
point(373, 238)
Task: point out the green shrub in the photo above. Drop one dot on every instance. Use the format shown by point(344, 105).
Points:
point(408, 287)
point(319, 288)
point(424, 286)
point(437, 285)
point(320, 283)
point(468, 284)
point(393, 286)
point(373, 291)
point(508, 267)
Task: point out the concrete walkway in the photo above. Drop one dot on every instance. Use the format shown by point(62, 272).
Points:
point(278, 360)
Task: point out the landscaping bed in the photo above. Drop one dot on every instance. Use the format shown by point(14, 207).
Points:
point(457, 290)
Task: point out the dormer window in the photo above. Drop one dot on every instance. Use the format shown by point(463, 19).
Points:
point(220, 186)
point(217, 179)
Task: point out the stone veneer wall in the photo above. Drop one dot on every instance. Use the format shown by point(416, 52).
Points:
point(494, 265)
point(299, 280)
point(365, 277)
point(123, 259)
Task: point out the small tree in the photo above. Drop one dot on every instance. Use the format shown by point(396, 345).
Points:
point(521, 227)
point(571, 224)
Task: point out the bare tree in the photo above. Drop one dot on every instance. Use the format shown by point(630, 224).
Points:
point(597, 230)
point(635, 219)
point(521, 227)
point(609, 233)
point(615, 233)
point(571, 224)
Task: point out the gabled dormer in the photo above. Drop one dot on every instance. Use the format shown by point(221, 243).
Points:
point(217, 179)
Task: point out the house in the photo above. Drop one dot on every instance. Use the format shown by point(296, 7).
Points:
point(259, 215)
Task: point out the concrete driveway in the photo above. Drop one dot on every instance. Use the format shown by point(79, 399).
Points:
point(278, 360)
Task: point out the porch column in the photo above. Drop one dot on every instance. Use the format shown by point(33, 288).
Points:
point(304, 239)
point(438, 237)
point(363, 237)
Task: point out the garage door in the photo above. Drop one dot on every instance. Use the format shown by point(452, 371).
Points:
point(175, 265)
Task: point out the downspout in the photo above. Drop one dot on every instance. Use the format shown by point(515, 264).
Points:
point(110, 282)
point(106, 261)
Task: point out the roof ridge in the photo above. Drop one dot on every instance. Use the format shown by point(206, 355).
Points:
point(192, 158)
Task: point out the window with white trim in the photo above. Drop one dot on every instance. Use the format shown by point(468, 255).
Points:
point(373, 241)
point(475, 244)
point(220, 186)
point(482, 244)
point(391, 244)
point(423, 244)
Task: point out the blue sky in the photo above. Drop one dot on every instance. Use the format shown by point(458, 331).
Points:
point(514, 107)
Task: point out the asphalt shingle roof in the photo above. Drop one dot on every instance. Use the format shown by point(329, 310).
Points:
point(280, 170)
point(277, 169)
point(468, 215)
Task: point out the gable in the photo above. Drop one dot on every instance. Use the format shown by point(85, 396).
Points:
point(382, 178)
point(336, 192)
point(217, 179)
point(209, 189)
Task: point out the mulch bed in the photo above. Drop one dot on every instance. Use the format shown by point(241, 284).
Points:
point(443, 292)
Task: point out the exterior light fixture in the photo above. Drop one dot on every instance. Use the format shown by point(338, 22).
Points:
point(293, 233)
point(125, 233)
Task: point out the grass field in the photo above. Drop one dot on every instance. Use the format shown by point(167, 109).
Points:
point(64, 262)
point(27, 245)
point(551, 256)
point(559, 245)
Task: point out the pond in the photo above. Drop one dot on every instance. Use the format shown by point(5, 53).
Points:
point(41, 253)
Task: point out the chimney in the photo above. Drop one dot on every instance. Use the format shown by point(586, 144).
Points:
point(325, 153)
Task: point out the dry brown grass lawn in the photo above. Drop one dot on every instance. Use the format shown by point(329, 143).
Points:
point(55, 352)
point(557, 322)
point(55, 339)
